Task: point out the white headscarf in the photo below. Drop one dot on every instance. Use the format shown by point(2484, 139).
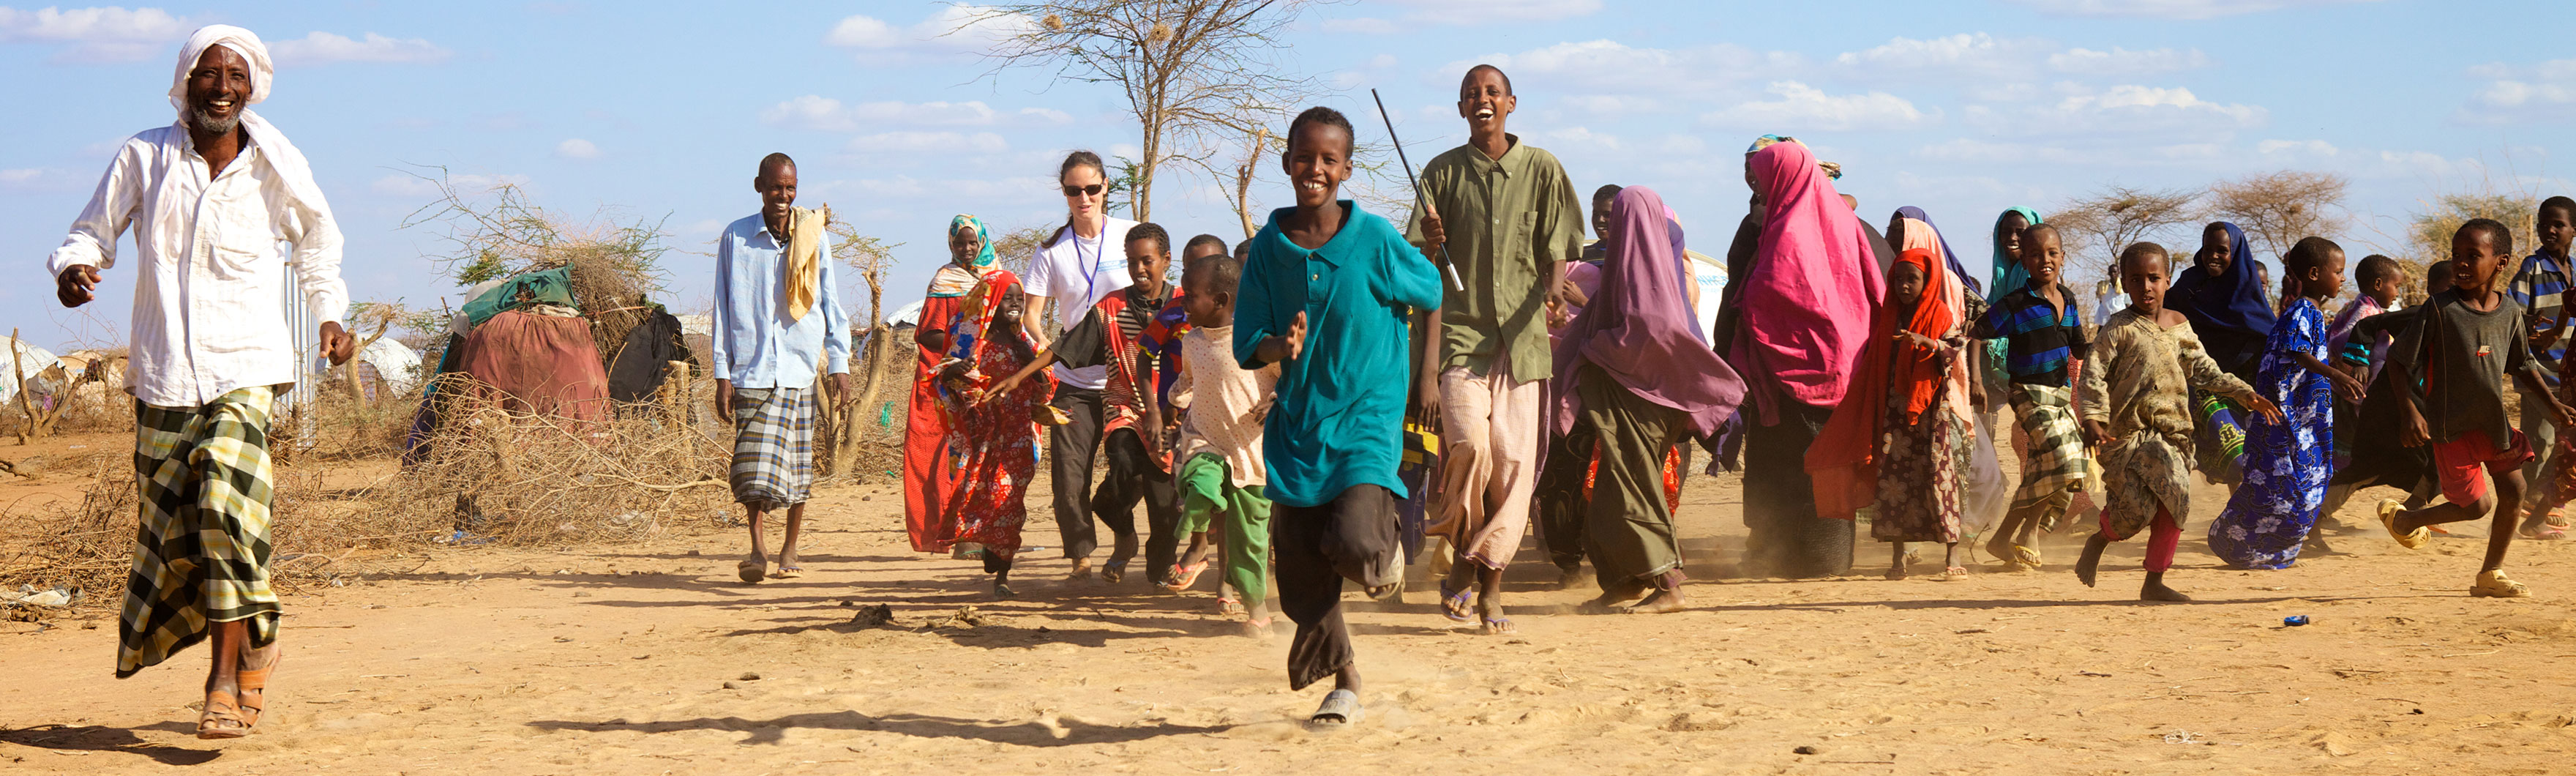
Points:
point(282, 154)
point(241, 41)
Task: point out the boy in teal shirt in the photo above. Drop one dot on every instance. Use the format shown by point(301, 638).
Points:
point(1326, 295)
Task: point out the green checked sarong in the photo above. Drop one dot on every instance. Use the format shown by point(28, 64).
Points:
point(201, 553)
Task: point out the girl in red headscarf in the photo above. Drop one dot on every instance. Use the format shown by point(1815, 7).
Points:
point(1900, 438)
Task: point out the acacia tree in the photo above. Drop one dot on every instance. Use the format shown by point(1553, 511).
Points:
point(2278, 208)
point(2116, 216)
point(1196, 73)
point(2429, 234)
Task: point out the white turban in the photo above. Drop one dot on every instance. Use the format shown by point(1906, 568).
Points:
point(241, 41)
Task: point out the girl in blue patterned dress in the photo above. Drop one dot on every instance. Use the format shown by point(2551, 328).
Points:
point(2287, 463)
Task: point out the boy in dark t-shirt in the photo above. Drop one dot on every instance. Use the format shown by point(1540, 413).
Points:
point(2466, 341)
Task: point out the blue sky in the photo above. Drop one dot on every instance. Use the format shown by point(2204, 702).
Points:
point(660, 110)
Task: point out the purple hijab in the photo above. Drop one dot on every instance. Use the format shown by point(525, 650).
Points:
point(1638, 329)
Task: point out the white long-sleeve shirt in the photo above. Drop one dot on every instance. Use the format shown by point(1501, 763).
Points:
point(207, 312)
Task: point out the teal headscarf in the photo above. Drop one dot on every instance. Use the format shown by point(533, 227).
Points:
point(2009, 275)
point(983, 235)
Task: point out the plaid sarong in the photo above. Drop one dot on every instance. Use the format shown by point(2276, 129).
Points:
point(2057, 463)
point(201, 553)
point(773, 446)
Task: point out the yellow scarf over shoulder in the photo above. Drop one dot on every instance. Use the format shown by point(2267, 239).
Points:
point(804, 260)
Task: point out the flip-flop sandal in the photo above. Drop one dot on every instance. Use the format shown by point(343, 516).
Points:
point(1952, 574)
point(1341, 709)
point(222, 718)
point(1454, 603)
point(2388, 519)
point(1184, 576)
point(1499, 626)
point(1113, 573)
point(752, 569)
point(2547, 533)
point(2025, 558)
point(2494, 584)
point(788, 572)
point(1229, 607)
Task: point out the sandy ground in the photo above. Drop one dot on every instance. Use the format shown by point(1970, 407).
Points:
point(641, 658)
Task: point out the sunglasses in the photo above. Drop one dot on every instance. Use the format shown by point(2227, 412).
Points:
point(1092, 190)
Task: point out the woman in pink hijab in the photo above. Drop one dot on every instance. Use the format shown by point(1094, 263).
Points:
point(1805, 313)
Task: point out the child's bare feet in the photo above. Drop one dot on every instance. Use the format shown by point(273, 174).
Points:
point(2090, 565)
point(2155, 590)
point(1662, 602)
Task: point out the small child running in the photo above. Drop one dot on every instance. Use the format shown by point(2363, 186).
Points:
point(2288, 463)
point(2137, 412)
point(2462, 346)
point(1222, 472)
point(2043, 332)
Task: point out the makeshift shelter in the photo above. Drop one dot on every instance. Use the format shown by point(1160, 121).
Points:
point(44, 373)
point(534, 363)
point(387, 368)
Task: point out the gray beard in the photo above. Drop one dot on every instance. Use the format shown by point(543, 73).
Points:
point(210, 124)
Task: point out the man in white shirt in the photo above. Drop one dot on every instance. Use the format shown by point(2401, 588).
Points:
point(209, 198)
point(1076, 268)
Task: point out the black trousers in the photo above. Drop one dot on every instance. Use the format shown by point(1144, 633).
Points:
point(1069, 457)
point(1133, 477)
point(1560, 501)
point(1350, 537)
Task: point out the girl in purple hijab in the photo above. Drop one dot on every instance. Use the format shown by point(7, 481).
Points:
point(1631, 368)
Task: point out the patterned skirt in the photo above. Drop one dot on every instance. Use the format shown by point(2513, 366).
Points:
point(1920, 479)
point(201, 553)
point(2057, 463)
point(773, 446)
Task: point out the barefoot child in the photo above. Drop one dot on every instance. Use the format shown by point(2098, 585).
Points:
point(992, 428)
point(2043, 332)
point(2288, 462)
point(2137, 412)
point(1113, 334)
point(2556, 225)
point(1900, 439)
point(1221, 464)
point(2464, 343)
point(1326, 297)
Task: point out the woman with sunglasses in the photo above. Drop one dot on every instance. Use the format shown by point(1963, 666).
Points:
point(1073, 270)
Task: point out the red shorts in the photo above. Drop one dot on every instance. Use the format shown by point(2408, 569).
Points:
point(2458, 462)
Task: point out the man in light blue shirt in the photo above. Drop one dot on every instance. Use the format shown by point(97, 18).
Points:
point(778, 325)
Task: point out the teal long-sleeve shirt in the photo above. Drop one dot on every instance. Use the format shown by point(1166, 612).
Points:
point(1339, 420)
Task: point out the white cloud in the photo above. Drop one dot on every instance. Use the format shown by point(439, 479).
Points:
point(1610, 66)
point(1964, 54)
point(950, 29)
point(2120, 61)
point(915, 142)
point(2296, 147)
point(1581, 137)
point(817, 112)
point(2173, 9)
point(108, 34)
point(408, 185)
point(1806, 108)
point(2126, 110)
point(2515, 93)
point(577, 148)
point(1485, 11)
point(323, 47)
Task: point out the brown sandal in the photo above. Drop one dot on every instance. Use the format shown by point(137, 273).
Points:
point(222, 718)
point(255, 680)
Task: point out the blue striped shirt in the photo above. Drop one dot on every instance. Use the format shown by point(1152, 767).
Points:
point(2039, 337)
point(2536, 287)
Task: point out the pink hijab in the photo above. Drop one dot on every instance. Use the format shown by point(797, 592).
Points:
point(1639, 329)
point(1815, 281)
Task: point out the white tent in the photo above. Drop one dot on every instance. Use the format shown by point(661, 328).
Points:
point(395, 363)
point(907, 315)
point(33, 360)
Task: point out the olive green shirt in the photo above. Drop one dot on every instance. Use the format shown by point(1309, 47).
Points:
point(1511, 221)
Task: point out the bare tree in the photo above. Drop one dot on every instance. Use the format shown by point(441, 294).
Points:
point(2429, 235)
point(1254, 154)
point(2278, 208)
point(383, 316)
point(1013, 249)
point(1196, 73)
point(2116, 216)
point(845, 425)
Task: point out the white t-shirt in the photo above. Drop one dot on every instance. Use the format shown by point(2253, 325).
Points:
point(1076, 273)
